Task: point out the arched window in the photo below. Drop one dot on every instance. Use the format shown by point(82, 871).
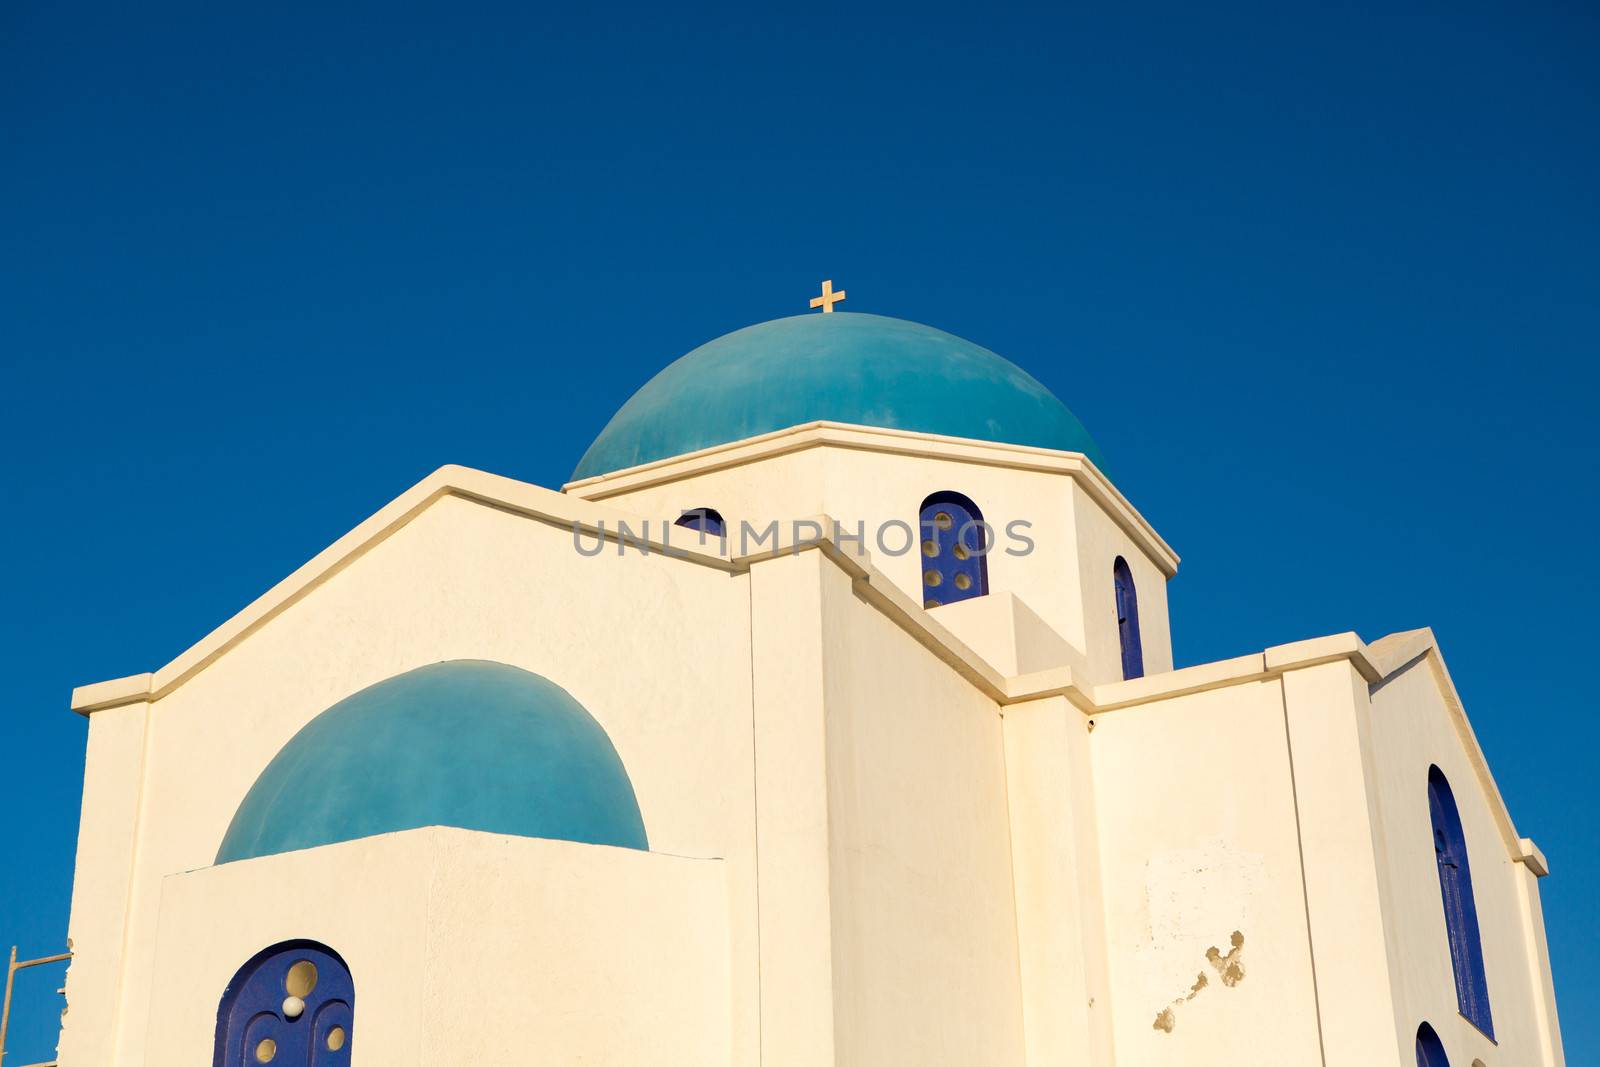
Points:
point(1128, 620)
point(1430, 1050)
point(706, 520)
point(955, 542)
point(293, 1003)
point(1460, 911)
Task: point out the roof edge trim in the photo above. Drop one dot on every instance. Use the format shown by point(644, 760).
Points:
point(491, 490)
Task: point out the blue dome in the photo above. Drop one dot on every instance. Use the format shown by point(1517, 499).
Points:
point(468, 743)
point(864, 369)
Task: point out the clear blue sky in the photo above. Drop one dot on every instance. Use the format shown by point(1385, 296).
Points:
point(1322, 283)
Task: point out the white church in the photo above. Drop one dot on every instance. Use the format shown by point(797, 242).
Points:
point(825, 718)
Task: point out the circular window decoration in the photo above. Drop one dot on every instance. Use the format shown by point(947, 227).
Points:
point(301, 979)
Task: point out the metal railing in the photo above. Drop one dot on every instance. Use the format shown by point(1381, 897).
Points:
point(12, 967)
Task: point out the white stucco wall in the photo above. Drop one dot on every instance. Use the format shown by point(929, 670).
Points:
point(627, 963)
point(1099, 542)
point(1063, 955)
point(1343, 859)
point(888, 932)
point(1198, 843)
point(924, 924)
point(1009, 635)
point(113, 778)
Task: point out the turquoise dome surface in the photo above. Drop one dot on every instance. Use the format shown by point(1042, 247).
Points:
point(843, 367)
point(466, 743)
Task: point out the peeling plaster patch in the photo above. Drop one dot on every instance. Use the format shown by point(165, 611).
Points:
point(1231, 966)
point(1167, 1017)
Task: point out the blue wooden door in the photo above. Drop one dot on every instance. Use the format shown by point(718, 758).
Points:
point(1460, 906)
point(292, 1005)
point(953, 550)
point(1128, 620)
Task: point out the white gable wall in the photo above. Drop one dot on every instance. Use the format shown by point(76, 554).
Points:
point(1414, 727)
point(656, 650)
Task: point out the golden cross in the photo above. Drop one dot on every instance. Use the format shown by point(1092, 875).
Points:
point(828, 297)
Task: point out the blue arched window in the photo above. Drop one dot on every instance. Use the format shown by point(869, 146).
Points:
point(705, 520)
point(293, 1003)
point(1460, 911)
point(955, 542)
point(1430, 1050)
point(1128, 620)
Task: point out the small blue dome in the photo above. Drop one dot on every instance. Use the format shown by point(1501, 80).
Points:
point(863, 369)
point(467, 743)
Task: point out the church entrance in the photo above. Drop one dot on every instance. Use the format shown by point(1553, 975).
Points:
point(291, 1004)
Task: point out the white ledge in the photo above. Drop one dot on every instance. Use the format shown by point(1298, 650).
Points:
point(1530, 857)
point(109, 694)
point(1309, 653)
